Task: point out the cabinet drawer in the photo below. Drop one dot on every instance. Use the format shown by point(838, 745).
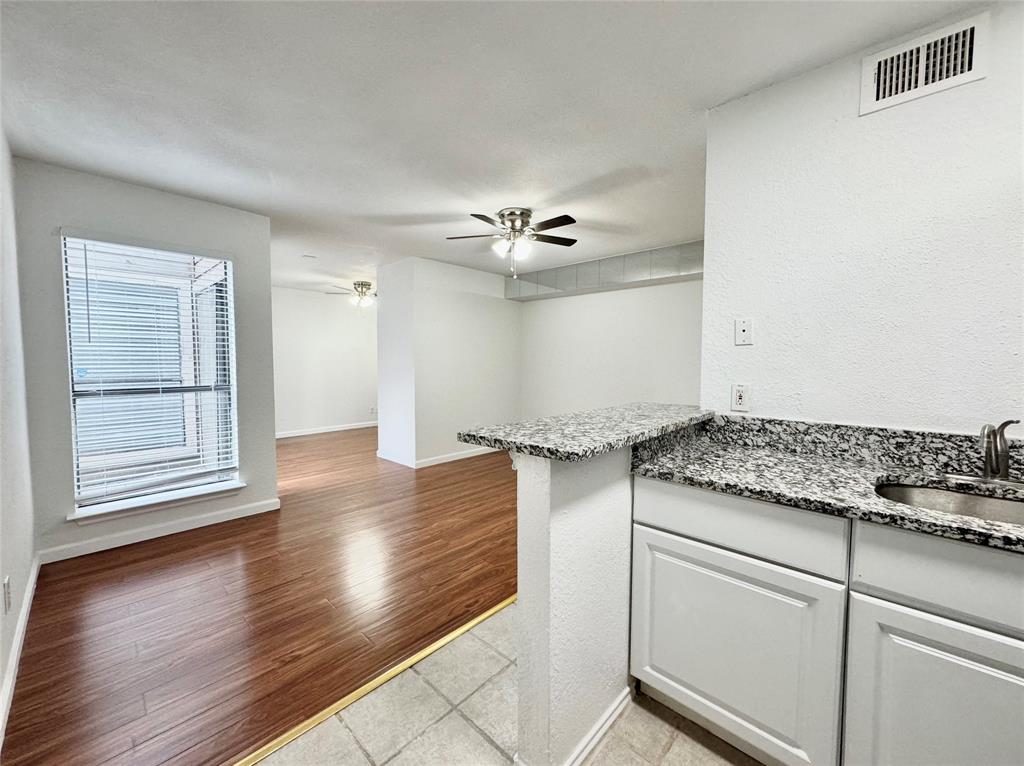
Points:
point(973, 583)
point(926, 691)
point(795, 538)
point(751, 648)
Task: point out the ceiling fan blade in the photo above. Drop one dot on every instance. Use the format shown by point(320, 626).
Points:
point(486, 219)
point(343, 289)
point(554, 223)
point(474, 236)
point(564, 241)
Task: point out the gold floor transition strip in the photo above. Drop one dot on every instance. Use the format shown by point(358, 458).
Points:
point(362, 691)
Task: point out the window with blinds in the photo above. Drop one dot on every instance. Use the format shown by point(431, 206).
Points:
point(151, 351)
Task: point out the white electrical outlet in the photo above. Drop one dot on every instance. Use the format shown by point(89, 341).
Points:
point(740, 397)
point(743, 332)
point(373, 410)
point(7, 594)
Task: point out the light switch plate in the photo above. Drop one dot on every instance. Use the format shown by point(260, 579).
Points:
point(744, 332)
point(740, 397)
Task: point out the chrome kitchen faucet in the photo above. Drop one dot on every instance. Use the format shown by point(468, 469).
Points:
point(996, 450)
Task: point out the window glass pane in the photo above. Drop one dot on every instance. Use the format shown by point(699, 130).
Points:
point(124, 334)
point(145, 422)
point(151, 358)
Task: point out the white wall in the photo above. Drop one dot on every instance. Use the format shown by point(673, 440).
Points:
point(602, 349)
point(325, 362)
point(449, 353)
point(17, 545)
point(879, 257)
point(467, 356)
point(396, 362)
point(453, 353)
point(48, 197)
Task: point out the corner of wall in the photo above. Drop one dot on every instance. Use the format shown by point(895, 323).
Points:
point(17, 523)
point(17, 642)
point(48, 196)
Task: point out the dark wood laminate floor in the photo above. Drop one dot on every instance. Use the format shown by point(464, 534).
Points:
point(199, 647)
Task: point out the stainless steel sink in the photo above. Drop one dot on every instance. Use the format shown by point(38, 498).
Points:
point(952, 501)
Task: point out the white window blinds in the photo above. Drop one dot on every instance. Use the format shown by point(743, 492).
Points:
point(151, 354)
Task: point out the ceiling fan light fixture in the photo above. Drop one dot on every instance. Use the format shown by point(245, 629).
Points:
point(518, 233)
point(359, 294)
point(361, 300)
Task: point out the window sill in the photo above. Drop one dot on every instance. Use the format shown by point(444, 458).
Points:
point(131, 506)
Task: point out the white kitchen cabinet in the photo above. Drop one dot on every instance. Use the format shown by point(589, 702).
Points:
point(968, 583)
point(924, 690)
point(813, 542)
point(751, 649)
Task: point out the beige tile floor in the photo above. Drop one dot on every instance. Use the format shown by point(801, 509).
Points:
point(649, 734)
point(457, 707)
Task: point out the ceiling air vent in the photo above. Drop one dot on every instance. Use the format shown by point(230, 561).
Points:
point(927, 64)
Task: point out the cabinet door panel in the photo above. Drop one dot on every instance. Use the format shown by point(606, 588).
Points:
point(927, 691)
point(751, 647)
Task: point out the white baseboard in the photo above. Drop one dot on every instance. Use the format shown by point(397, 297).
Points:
point(600, 728)
point(325, 429)
point(390, 459)
point(460, 455)
point(116, 540)
point(11, 671)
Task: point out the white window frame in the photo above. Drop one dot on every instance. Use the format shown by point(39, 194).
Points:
point(229, 482)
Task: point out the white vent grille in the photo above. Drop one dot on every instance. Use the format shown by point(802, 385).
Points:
point(927, 64)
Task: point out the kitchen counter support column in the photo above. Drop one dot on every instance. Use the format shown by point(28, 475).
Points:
point(574, 531)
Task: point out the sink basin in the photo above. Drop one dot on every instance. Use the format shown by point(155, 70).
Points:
point(952, 501)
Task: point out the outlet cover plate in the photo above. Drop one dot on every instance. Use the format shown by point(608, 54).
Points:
point(740, 397)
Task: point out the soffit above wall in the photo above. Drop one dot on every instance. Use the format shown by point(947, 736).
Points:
point(675, 263)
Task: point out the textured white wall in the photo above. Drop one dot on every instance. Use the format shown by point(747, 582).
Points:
point(603, 349)
point(325, 362)
point(17, 543)
point(574, 567)
point(48, 197)
point(454, 353)
point(879, 257)
point(467, 355)
point(448, 350)
point(533, 608)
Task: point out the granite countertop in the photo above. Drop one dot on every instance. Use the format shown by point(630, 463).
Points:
point(826, 484)
point(583, 435)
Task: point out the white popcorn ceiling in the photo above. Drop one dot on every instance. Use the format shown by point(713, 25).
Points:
point(369, 132)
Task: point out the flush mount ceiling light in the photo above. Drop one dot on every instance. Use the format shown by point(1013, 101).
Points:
point(517, 233)
point(360, 292)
